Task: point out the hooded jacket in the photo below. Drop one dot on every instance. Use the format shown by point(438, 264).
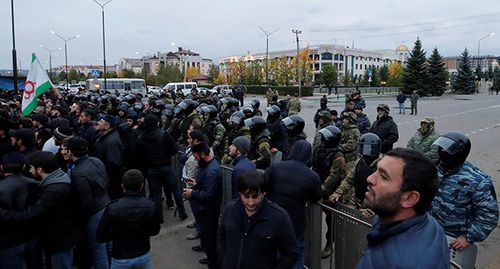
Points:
point(387, 130)
point(156, 148)
point(53, 213)
point(293, 183)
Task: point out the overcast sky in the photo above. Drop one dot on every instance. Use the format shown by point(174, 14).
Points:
point(223, 28)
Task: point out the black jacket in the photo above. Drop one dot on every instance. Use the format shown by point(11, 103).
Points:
point(17, 193)
point(279, 136)
point(254, 242)
point(293, 183)
point(207, 193)
point(53, 214)
point(90, 182)
point(129, 222)
point(108, 148)
point(387, 130)
point(156, 148)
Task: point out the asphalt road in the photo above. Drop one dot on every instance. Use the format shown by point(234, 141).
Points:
point(476, 115)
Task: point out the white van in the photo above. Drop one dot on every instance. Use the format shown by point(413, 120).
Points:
point(185, 87)
point(120, 85)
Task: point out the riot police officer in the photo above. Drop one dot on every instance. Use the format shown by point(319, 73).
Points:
point(260, 148)
point(295, 127)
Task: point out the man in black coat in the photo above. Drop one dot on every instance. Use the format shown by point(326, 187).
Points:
point(18, 243)
point(129, 222)
point(53, 213)
point(253, 230)
point(108, 148)
point(385, 128)
point(155, 150)
point(90, 183)
point(292, 184)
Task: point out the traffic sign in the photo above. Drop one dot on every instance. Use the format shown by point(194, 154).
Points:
point(95, 73)
point(369, 72)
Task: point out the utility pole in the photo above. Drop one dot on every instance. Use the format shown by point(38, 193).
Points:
point(50, 59)
point(297, 33)
point(103, 41)
point(14, 55)
point(267, 52)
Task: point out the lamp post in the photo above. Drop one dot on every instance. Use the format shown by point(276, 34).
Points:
point(50, 58)
point(65, 53)
point(267, 51)
point(103, 40)
point(297, 33)
point(14, 55)
point(478, 58)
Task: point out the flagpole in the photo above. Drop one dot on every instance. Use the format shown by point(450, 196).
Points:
point(14, 55)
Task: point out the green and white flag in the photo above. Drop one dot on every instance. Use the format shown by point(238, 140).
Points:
point(37, 83)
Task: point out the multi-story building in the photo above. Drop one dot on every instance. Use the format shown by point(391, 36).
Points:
point(85, 69)
point(345, 60)
point(182, 59)
point(485, 61)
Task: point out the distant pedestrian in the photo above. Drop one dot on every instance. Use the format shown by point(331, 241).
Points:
point(385, 128)
point(414, 100)
point(401, 98)
point(129, 222)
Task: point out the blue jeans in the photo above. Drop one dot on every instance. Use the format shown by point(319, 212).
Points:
point(159, 178)
point(29, 252)
point(62, 259)
point(401, 108)
point(300, 246)
point(141, 262)
point(98, 250)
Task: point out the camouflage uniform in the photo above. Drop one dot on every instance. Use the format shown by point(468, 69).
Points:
point(294, 106)
point(260, 150)
point(269, 96)
point(347, 188)
point(192, 119)
point(173, 128)
point(215, 133)
point(349, 141)
point(224, 116)
point(465, 203)
point(423, 143)
point(329, 163)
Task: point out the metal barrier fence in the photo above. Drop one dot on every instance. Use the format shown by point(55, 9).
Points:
point(349, 230)
point(348, 233)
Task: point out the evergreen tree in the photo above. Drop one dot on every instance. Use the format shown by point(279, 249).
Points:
point(464, 80)
point(490, 73)
point(478, 73)
point(415, 74)
point(438, 75)
point(496, 80)
point(384, 73)
point(347, 79)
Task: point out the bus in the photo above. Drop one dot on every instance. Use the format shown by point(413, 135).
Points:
point(118, 85)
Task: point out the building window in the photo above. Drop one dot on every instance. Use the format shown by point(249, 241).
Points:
point(316, 66)
point(326, 56)
point(341, 57)
point(336, 57)
point(356, 67)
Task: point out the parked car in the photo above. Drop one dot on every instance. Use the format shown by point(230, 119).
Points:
point(204, 90)
point(185, 87)
point(223, 89)
point(154, 89)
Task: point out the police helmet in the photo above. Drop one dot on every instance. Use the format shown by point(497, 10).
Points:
point(273, 111)
point(248, 111)
point(256, 124)
point(369, 145)
point(255, 104)
point(159, 104)
point(294, 123)
point(199, 109)
point(168, 110)
point(383, 107)
point(331, 135)
point(237, 118)
point(453, 149)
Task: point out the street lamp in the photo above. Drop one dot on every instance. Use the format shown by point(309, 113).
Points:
point(50, 58)
point(297, 33)
point(103, 40)
point(479, 47)
point(14, 55)
point(267, 51)
point(65, 53)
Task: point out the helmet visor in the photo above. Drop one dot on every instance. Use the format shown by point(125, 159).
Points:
point(447, 144)
point(248, 122)
point(287, 121)
point(372, 150)
point(326, 133)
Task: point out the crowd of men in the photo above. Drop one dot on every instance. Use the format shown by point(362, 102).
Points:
point(75, 170)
